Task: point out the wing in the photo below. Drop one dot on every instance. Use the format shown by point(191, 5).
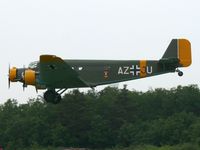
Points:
point(56, 73)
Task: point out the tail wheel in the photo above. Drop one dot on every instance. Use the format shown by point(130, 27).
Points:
point(180, 73)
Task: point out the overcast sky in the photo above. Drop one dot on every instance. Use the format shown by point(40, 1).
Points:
point(96, 29)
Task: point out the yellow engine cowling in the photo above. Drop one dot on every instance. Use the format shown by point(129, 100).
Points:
point(13, 74)
point(29, 77)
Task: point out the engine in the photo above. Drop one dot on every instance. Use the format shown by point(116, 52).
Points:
point(30, 77)
point(13, 74)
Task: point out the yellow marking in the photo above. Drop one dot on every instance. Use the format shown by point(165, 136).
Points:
point(143, 65)
point(13, 74)
point(29, 77)
point(184, 51)
point(50, 58)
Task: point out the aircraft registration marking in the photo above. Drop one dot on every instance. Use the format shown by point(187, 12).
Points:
point(135, 70)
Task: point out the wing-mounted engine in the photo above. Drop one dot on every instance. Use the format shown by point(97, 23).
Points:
point(29, 77)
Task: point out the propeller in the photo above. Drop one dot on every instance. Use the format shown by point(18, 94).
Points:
point(36, 89)
point(9, 76)
point(24, 84)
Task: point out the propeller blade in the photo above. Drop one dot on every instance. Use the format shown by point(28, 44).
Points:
point(36, 89)
point(9, 76)
point(8, 83)
point(24, 84)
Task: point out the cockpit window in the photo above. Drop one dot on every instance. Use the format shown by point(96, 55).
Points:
point(33, 65)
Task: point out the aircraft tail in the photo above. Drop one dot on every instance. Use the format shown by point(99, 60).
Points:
point(179, 49)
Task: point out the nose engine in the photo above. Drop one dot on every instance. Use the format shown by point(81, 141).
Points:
point(13, 74)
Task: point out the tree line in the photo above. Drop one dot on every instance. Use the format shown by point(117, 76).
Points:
point(110, 118)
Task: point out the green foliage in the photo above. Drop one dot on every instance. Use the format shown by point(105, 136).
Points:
point(185, 146)
point(158, 119)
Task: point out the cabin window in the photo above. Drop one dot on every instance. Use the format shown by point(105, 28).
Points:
point(80, 68)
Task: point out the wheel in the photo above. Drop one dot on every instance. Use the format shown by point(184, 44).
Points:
point(180, 73)
point(51, 96)
point(57, 99)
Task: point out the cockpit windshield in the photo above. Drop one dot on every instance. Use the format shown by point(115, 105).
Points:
point(33, 65)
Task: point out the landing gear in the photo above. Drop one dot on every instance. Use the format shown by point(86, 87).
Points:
point(180, 73)
point(51, 96)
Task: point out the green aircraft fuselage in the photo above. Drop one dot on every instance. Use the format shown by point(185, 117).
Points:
point(99, 72)
point(52, 72)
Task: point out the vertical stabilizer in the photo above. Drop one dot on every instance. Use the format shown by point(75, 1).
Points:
point(181, 49)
